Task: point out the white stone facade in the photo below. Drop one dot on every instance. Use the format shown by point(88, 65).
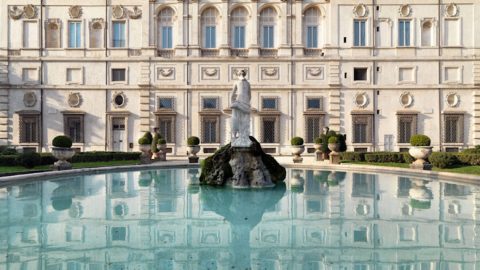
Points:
point(377, 72)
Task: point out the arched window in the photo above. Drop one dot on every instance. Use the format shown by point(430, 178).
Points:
point(268, 22)
point(209, 24)
point(53, 34)
point(165, 25)
point(96, 34)
point(427, 34)
point(311, 30)
point(238, 24)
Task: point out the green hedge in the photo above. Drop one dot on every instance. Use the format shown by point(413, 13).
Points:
point(48, 158)
point(443, 159)
point(379, 157)
point(469, 159)
point(353, 156)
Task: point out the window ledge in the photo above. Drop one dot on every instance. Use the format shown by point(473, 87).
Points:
point(118, 48)
point(452, 144)
point(453, 47)
point(405, 47)
point(362, 144)
point(75, 49)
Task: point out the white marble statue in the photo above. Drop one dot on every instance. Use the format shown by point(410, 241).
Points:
point(241, 112)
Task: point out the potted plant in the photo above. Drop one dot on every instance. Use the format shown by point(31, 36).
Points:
point(420, 149)
point(296, 181)
point(145, 145)
point(162, 147)
point(62, 150)
point(318, 148)
point(193, 148)
point(154, 146)
point(333, 144)
point(297, 149)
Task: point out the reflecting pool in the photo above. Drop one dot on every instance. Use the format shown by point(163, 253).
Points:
point(316, 220)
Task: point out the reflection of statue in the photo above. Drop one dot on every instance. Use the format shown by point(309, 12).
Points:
point(244, 210)
point(241, 112)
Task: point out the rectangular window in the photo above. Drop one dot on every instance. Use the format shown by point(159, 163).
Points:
point(165, 128)
point(268, 37)
point(313, 125)
point(30, 34)
point(453, 128)
point(269, 104)
point(239, 37)
point(407, 126)
point(210, 37)
point(360, 74)
point(74, 35)
point(165, 103)
point(362, 128)
point(403, 33)
point(74, 127)
point(118, 34)
point(167, 37)
point(209, 103)
point(119, 233)
point(360, 235)
point(312, 37)
point(210, 130)
point(359, 34)
point(118, 75)
point(314, 104)
point(269, 129)
point(29, 128)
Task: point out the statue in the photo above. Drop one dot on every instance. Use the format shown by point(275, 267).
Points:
point(241, 112)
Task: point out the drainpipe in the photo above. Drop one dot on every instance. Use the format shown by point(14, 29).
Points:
point(40, 137)
point(105, 41)
point(374, 77)
point(440, 124)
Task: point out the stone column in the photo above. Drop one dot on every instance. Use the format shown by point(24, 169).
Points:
point(297, 25)
point(180, 46)
point(223, 29)
point(253, 29)
point(194, 22)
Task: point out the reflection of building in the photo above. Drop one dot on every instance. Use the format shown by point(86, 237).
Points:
point(104, 73)
point(150, 220)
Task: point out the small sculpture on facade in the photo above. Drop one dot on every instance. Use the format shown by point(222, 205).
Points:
point(241, 96)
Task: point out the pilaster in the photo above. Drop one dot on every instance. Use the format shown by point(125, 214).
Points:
point(253, 30)
point(334, 110)
point(476, 117)
point(4, 93)
point(194, 29)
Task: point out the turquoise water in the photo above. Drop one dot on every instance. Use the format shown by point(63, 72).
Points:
point(317, 220)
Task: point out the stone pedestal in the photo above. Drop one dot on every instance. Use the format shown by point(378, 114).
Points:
point(146, 158)
point(421, 165)
point(318, 156)
point(248, 170)
point(62, 165)
point(334, 158)
point(192, 159)
point(297, 159)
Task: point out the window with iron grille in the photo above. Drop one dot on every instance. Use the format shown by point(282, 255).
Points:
point(29, 128)
point(165, 103)
point(313, 125)
point(269, 130)
point(407, 126)
point(210, 130)
point(210, 103)
point(362, 128)
point(453, 125)
point(269, 104)
point(73, 127)
point(166, 126)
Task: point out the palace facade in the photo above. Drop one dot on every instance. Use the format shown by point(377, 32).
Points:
point(105, 72)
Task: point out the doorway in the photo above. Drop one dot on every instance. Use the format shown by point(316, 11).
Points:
point(118, 133)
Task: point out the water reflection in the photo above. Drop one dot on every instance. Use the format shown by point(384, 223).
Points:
point(162, 220)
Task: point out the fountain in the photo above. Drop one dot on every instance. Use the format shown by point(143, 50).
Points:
point(242, 163)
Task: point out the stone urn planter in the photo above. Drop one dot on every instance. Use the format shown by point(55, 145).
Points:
point(297, 149)
point(62, 154)
point(297, 181)
point(192, 151)
point(146, 150)
point(318, 151)
point(162, 151)
point(420, 195)
point(334, 146)
point(62, 151)
point(420, 149)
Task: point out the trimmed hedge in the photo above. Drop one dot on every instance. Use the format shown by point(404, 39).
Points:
point(8, 160)
point(28, 160)
point(353, 156)
point(443, 159)
point(469, 159)
point(380, 157)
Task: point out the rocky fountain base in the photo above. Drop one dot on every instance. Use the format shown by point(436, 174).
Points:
point(242, 167)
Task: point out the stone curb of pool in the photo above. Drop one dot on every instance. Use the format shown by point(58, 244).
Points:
point(464, 178)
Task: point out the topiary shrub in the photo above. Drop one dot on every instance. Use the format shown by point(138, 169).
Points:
point(144, 140)
point(333, 139)
point(149, 136)
point(341, 138)
point(353, 156)
point(162, 141)
point(443, 160)
point(156, 137)
point(29, 160)
point(420, 140)
point(325, 144)
point(331, 133)
point(193, 140)
point(9, 151)
point(62, 141)
point(318, 140)
point(420, 204)
point(296, 141)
